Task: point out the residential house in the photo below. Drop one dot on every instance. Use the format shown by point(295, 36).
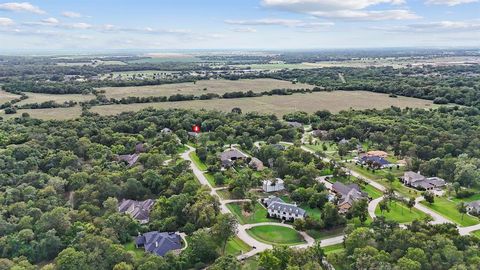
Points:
point(375, 162)
point(256, 164)
point(322, 134)
point(473, 208)
point(347, 195)
point(295, 124)
point(129, 159)
point(139, 210)
point(280, 147)
point(229, 157)
point(421, 182)
point(159, 243)
point(277, 208)
point(381, 154)
point(273, 185)
point(166, 131)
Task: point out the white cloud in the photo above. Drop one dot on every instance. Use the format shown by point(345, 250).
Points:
point(24, 6)
point(450, 2)
point(80, 26)
point(280, 22)
point(344, 9)
point(244, 30)
point(50, 21)
point(71, 14)
point(6, 22)
point(435, 27)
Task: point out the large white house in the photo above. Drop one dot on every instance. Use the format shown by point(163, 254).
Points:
point(277, 208)
point(273, 185)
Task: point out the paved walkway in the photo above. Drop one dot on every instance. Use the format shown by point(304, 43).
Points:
point(372, 205)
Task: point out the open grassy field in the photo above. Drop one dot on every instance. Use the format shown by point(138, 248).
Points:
point(400, 213)
point(449, 210)
point(48, 114)
point(201, 87)
point(323, 234)
point(236, 246)
point(276, 235)
point(280, 105)
point(39, 98)
point(6, 96)
point(259, 214)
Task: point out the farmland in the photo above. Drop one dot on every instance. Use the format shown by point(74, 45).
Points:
point(280, 105)
point(5, 96)
point(39, 98)
point(202, 87)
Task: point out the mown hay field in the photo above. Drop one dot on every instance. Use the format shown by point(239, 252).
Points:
point(39, 98)
point(6, 96)
point(280, 105)
point(202, 87)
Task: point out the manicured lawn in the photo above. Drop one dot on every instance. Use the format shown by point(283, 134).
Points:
point(259, 214)
point(210, 179)
point(182, 148)
point(236, 246)
point(138, 252)
point(250, 264)
point(476, 233)
point(333, 248)
point(198, 162)
point(314, 213)
point(449, 210)
point(225, 194)
point(400, 213)
point(475, 197)
point(372, 192)
point(276, 235)
point(323, 234)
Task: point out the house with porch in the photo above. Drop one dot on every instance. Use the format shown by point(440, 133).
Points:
point(159, 243)
point(421, 182)
point(230, 156)
point(347, 195)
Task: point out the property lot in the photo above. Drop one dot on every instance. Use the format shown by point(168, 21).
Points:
point(202, 87)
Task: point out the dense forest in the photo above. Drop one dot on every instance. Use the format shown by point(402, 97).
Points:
point(60, 185)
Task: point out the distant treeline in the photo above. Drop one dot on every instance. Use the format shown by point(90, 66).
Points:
point(453, 84)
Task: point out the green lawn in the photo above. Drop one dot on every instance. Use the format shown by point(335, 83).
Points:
point(236, 246)
point(197, 161)
point(276, 235)
point(472, 198)
point(333, 248)
point(314, 213)
point(323, 234)
point(373, 192)
point(449, 210)
point(138, 252)
point(259, 214)
point(250, 264)
point(210, 179)
point(225, 194)
point(181, 149)
point(476, 233)
point(400, 213)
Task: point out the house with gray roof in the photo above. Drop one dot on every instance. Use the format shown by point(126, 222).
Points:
point(159, 243)
point(230, 156)
point(277, 208)
point(130, 160)
point(139, 210)
point(473, 208)
point(256, 164)
point(347, 195)
point(421, 182)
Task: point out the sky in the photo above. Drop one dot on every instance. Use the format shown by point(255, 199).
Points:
point(237, 24)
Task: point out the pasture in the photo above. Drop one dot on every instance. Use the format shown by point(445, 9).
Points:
point(39, 98)
point(201, 87)
point(6, 96)
point(280, 105)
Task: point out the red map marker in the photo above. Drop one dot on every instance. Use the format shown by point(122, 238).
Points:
point(196, 129)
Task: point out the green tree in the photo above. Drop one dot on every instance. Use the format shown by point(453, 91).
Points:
point(224, 229)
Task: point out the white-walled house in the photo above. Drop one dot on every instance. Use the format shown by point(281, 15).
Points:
point(273, 185)
point(277, 208)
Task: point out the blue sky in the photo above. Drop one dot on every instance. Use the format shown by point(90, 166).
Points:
point(237, 24)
